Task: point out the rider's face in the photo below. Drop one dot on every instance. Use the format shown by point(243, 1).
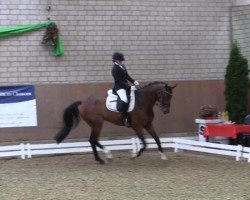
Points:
point(118, 61)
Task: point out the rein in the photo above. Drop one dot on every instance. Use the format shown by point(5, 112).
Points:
point(160, 94)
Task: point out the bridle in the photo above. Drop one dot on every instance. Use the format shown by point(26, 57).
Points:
point(162, 93)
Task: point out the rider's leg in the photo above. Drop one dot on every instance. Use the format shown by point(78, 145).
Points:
point(123, 95)
point(125, 115)
point(124, 107)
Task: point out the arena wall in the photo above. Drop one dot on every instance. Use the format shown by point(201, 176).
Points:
point(184, 42)
point(52, 100)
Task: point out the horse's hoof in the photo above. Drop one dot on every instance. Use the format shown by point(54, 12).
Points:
point(109, 156)
point(163, 156)
point(133, 156)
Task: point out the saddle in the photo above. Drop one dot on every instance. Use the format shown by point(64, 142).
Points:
point(111, 101)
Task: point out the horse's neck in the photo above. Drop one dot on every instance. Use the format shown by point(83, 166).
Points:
point(146, 98)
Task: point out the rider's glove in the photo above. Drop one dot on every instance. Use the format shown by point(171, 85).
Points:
point(136, 83)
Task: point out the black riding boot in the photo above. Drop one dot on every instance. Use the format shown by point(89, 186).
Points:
point(123, 107)
point(125, 115)
point(126, 119)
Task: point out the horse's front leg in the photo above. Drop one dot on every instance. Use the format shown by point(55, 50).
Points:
point(152, 132)
point(139, 133)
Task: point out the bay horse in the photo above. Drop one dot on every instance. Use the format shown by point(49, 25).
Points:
point(94, 112)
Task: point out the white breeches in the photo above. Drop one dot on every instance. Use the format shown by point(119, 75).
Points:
point(122, 94)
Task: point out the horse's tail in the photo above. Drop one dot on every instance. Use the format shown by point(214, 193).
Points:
point(70, 120)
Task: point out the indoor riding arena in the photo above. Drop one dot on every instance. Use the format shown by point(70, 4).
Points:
point(56, 133)
point(182, 176)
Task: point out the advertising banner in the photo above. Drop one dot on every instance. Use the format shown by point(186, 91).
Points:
point(17, 106)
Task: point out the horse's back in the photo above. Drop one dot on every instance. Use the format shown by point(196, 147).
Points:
point(92, 106)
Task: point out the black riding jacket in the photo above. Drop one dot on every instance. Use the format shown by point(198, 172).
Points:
point(121, 77)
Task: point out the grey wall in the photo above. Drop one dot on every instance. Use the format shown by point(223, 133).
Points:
point(162, 40)
point(241, 28)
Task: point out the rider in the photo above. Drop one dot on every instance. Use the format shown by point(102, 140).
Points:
point(121, 86)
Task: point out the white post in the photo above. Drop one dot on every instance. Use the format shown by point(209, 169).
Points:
point(239, 152)
point(22, 151)
point(138, 144)
point(175, 145)
point(133, 146)
point(28, 150)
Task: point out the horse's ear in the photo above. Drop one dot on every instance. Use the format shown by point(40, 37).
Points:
point(173, 86)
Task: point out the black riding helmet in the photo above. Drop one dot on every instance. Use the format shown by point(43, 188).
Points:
point(118, 56)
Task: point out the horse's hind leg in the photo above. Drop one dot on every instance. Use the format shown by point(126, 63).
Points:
point(95, 132)
point(152, 132)
point(93, 141)
point(106, 151)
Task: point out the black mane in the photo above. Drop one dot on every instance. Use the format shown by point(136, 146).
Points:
point(152, 84)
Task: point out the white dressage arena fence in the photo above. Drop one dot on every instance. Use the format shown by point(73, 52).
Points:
point(27, 150)
point(14, 150)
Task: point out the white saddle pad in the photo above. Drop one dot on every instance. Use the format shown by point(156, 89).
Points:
point(111, 100)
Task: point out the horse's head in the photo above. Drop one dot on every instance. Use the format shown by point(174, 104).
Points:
point(164, 96)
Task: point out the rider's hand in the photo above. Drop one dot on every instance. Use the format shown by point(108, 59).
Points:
point(136, 83)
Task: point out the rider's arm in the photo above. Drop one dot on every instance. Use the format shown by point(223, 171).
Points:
point(132, 80)
point(128, 77)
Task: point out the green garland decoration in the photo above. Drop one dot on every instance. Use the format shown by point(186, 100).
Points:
point(51, 36)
